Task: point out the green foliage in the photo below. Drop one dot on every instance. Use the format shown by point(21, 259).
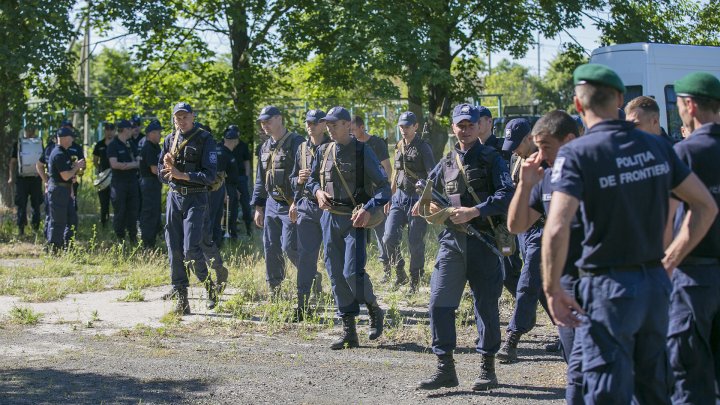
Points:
point(514, 82)
point(24, 316)
point(556, 87)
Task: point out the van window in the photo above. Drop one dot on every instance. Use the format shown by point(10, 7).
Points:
point(632, 92)
point(673, 117)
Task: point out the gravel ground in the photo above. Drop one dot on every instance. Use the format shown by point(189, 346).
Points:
point(215, 360)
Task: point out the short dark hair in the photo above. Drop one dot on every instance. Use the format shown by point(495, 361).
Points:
point(358, 121)
point(643, 103)
point(594, 97)
point(705, 103)
point(557, 124)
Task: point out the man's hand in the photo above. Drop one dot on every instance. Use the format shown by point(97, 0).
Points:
point(463, 214)
point(303, 176)
point(293, 213)
point(360, 218)
point(564, 309)
point(168, 160)
point(259, 217)
point(80, 164)
point(531, 171)
point(323, 199)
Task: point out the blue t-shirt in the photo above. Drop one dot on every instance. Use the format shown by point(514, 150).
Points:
point(379, 147)
point(540, 197)
point(124, 153)
point(701, 152)
point(623, 179)
point(58, 162)
point(149, 156)
point(45, 157)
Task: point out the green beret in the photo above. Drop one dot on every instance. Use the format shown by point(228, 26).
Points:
point(602, 75)
point(698, 84)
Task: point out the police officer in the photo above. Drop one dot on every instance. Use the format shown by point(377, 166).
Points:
point(227, 169)
point(519, 143)
point(477, 183)
point(188, 165)
point(61, 170)
point(645, 113)
point(101, 163)
point(306, 212)
point(77, 152)
point(237, 188)
point(28, 186)
point(273, 195)
point(136, 136)
point(531, 203)
point(380, 147)
point(622, 177)
point(344, 173)
point(124, 188)
point(694, 335)
point(150, 186)
point(413, 161)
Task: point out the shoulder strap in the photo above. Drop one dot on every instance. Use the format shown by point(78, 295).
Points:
point(465, 179)
point(303, 154)
point(330, 147)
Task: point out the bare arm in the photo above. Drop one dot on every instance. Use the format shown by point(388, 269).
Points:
point(386, 166)
point(520, 215)
point(11, 170)
point(40, 169)
point(555, 240)
point(668, 235)
point(247, 167)
point(700, 215)
point(154, 170)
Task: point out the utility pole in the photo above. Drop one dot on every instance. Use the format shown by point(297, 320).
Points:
point(86, 45)
point(538, 49)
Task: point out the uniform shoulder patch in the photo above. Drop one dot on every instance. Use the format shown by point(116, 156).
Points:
point(213, 157)
point(557, 169)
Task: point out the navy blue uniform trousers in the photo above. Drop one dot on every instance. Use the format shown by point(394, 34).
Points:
point(400, 215)
point(568, 342)
point(150, 223)
point(310, 236)
point(217, 205)
point(125, 199)
point(622, 341)
point(694, 333)
point(464, 259)
point(184, 234)
point(279, 235)
point(62, 216)
point(28, 188)
point(345, 258)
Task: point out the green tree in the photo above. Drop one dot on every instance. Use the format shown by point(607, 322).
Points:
point(556, 88)
point(514, 82)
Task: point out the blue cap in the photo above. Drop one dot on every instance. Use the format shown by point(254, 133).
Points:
point(64, 131)
point(122, 124)
point(135, 121)
point(515, 131)
point(314, 116)
point(232, 132)
point(336, 114)
point(108, 125)
point(268, 112)
point(154, 125)
point(67, 123)
point(483, 111)
point(182, 106)
point(464, 112)
point(407, 119)
point(579, 121)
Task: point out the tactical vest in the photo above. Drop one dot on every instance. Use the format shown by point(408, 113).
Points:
point(352, 172)
point(188, 154)
point(307, 156)
point(409, 165)
point(277, 164)
point(479, 176)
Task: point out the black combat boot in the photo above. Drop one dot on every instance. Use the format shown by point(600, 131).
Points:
point(171, 294)
point(386, 273)
point(508, 351)
point(414, 280)
point(182, 304)
point(444, 376)
point(349, 338)
point(487, 378)
point(222, 276)
point(302, 308)
point(377, 319)
point(212, 295)
point(400, 276)
point(317, 284)
point(553, 347)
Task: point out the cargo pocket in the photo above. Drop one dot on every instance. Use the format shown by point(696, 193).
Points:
point(599, 349)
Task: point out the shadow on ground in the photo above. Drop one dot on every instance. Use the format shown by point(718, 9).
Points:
point(46, 385)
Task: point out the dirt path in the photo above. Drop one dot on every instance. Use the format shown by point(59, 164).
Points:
point(212, 359)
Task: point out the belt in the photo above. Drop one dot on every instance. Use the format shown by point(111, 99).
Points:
point(189, 190)
point(699, 261)
point(280, 200)
point(60, 184)
point(631, 267)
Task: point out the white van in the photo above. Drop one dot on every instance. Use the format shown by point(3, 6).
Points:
point(651, 69)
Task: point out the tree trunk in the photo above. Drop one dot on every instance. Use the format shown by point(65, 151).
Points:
point(11, 110)
point(243, 90)
point(439, 102)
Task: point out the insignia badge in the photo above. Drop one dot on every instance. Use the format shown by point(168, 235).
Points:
point(557, 170)
point(213, 158)
point(465, 109)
